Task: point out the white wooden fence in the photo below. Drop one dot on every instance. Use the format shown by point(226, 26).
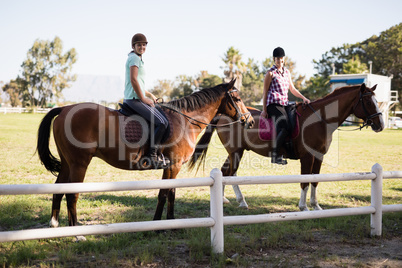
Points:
point(216, 221)
point(5, 110)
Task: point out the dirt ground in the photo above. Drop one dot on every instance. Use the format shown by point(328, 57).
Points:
point(325, 251)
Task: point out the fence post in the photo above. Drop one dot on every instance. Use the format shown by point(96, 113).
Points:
point(216, 207)
point(376, 201)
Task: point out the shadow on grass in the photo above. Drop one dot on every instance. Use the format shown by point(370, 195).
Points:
point(396, 189)
point(131, 208)
point(22, 215)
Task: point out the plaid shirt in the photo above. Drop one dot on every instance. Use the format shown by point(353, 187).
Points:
point(279, 88)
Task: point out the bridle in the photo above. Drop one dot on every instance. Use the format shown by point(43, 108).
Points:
point(238, 112)
point(195, 121)
point(366, 123)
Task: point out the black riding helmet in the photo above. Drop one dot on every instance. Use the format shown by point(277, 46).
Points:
point(279, 52)
point(138, 38)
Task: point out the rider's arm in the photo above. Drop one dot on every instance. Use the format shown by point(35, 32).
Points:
point(150, 95)
point(136, 86)
point(267, 83)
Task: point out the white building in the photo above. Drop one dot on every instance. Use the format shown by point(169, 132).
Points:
point(386, 97)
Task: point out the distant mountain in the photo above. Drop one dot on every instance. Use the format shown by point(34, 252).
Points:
point(95, 88)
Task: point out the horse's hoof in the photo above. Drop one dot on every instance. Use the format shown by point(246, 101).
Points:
point(53, 223)
point(243, 204)
point(80, 238)
point(225, 200)
point(304, 209)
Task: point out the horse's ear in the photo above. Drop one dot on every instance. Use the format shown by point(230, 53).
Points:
point(231, 83)
point(363, 87)
point(373, 88)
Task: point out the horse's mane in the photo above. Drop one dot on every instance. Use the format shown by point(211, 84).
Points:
point(339, 91)
point(199, 99)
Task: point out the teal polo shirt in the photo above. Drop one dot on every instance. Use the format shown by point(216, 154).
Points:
point(134, 60)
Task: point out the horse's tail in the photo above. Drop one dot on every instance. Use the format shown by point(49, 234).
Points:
point(201, 148)
point(50, 162)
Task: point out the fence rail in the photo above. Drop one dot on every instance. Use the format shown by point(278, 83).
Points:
point(5, 110)
point(216, 221)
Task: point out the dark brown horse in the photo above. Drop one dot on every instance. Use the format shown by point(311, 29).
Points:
point(317, 123)
point(87, 130)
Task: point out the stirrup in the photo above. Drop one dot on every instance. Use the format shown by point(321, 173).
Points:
point(155, 162)
point(278, 160)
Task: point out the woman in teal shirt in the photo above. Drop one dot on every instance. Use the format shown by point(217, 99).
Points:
point(142, 101)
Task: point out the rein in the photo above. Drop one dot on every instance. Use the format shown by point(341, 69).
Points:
point(366, 123)
point(195, 121)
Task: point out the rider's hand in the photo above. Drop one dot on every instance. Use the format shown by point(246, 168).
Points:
point(306, 101)
point(152, 96)
point(264, 114)
point(148, 101)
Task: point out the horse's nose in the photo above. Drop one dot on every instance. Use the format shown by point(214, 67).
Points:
point(249, 123)
point(252, 123)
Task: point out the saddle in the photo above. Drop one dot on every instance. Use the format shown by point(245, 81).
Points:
point(266, 128)
point(132, 130)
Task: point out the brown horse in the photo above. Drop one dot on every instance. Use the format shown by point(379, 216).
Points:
point(317, 123)
point(85, 130)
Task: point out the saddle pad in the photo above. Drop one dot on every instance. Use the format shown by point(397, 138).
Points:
point(266, 129)
point(132, 131)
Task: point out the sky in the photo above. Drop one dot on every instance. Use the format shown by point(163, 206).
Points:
point(186, 37)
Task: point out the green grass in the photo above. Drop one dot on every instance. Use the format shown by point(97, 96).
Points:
point(354, 151)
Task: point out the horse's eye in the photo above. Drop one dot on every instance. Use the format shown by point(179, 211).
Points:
point(369, 103)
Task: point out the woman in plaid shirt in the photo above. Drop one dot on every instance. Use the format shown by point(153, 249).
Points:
point(277, 83)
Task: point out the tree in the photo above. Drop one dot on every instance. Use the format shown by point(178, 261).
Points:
point(234, 67)
point(253, 83)
point(163, 89)
point(12, 89)
point(206, 80)
point(354, 66)
point(316, 87)
point(46, 71)
point(384, 51)
point(184, 86)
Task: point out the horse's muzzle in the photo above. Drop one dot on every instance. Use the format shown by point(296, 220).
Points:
point(376, 125)
point(248, 121)
point(377, 128)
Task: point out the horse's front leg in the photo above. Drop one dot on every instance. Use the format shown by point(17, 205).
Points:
point(170, 206)
point(313, 197)
point(161, 204)
point(303, 197)
point(307, 162)
point(230, 169)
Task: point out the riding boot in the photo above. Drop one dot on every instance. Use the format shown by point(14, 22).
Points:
point(280, 139)
point(157, 162)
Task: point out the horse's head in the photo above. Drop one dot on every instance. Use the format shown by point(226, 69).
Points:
point(233, 106)
point(366, 108)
